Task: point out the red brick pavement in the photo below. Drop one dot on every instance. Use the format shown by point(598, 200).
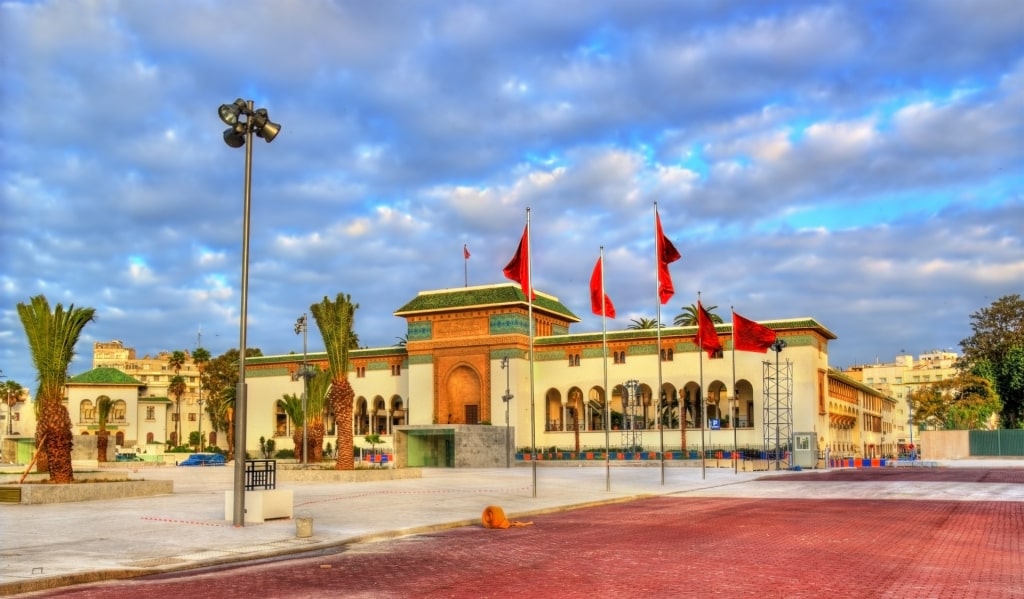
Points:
point(661, 547)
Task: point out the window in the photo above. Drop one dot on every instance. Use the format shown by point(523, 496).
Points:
point(574, 360)
point(360, 372)
point(619, 357)
point(667, 355)
point(191, 417)
point(396, 370)
point(150, 413)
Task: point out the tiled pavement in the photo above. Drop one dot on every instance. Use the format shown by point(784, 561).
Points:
point(947, 534)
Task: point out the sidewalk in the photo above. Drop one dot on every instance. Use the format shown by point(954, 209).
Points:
point(46, 546)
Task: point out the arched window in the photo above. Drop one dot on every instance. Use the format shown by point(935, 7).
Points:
point(86, 411)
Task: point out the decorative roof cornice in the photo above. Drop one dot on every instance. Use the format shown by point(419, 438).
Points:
point(484, 296)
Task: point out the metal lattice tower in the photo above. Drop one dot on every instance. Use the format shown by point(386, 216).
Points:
point(631, 418)
point(778, 411)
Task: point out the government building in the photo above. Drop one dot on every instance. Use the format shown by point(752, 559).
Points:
point(468, 360)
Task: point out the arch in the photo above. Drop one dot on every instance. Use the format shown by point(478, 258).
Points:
point(553, 420)
point(692, 405)
point(596, 409)
point(574, 409)
point(119, 411)
point(744, 410)
point(361, 416)
point(461, 401)
point(669, 406)
point(86, 411)
point(717, 399)
point(119, 438)
point(149, 438)
point(379, 416)
point(212, 438)
point(397, 409)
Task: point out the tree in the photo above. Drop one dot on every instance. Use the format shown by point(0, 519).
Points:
point(998, 341)
point(688, 317)
point(220, 376)
point(335, 321)
point(103, 406)
point(644, 323)
point(201, 357)
point(11, 392)
point(177, 389)
point(964, 402)
point(51, 338)
point(292, 406)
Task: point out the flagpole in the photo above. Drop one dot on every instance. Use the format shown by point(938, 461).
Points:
point(703, 401)
point(604, 354)
point(735, 396)
point(465, 263)
point(660, 391)
point(529, 300)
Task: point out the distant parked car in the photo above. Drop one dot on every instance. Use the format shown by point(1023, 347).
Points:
point(127, 457)
point(204, 459)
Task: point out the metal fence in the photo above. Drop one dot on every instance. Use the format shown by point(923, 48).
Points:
point(1000, 442)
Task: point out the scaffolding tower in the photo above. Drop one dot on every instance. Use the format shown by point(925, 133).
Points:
point(778, 411)
point(632, 419)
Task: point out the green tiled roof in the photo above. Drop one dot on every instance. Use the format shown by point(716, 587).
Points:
point(478, 297)
point(394, 350)
point(104, 376)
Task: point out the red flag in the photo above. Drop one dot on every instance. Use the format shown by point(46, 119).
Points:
point(707, 336)
point(518, 269)
point(748, 335)
point(465, 252)
point(667, 253)
point(606, 307)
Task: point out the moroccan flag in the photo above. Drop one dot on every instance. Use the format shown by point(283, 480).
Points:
point(707, 336)
point(465, 252)
point(667, 253)
point(748, 335)
point(518, 269)
point(597, 306)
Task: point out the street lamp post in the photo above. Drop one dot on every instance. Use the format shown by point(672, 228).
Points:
point(302, 326)
point(243, 122)
point(910, 421)
point(507, 398)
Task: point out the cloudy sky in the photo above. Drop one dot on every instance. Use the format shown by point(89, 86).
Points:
point(855, 162)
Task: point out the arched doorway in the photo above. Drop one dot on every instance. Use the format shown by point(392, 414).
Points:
point(461, 402)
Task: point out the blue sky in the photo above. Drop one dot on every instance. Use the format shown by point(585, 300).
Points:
point(855, 162)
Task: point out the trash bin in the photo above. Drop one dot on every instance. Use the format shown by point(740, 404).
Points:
point(303, 528)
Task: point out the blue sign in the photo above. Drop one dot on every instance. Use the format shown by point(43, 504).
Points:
point(715, 424)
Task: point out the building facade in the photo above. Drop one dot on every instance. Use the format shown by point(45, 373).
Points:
point(467, 361)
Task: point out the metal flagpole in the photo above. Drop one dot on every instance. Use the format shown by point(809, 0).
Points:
point(700, 393)
point(735, 397)
point(529, 300)
point(604, 354)
point(660, 391)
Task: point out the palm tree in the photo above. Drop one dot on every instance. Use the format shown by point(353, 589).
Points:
point(176, 361)
point(292, 406)
point(644, 323)
point(103, 406)
point(11, 392)
point(335, 320)
point(177, 389)
point(201, 357)
point(688, 317)
point(51, 338)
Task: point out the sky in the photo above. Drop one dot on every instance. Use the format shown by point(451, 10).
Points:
point(854, 162)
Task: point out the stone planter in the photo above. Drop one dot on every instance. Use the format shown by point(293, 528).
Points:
point(84, 491)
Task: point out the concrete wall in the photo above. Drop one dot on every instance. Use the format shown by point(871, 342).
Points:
point(944, 445)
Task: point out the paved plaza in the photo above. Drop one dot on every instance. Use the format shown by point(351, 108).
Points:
point(954, 530)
